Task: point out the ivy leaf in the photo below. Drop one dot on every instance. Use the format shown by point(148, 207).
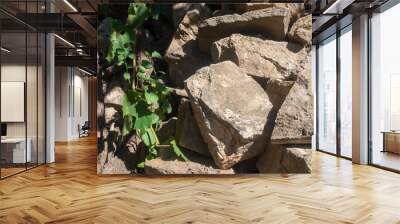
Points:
point(117, 25)
point(149, 138)
point(167, 91)
point(146, 64)
point(138, 13)
point(155, 54)
point(142, 69)
point(144, 122)
point(127, 76)
point(141, 165)
point(128, 109)
point(131, 56)
point(142, 75)
point(177, 150)
point(151, 97)
point(166, 106)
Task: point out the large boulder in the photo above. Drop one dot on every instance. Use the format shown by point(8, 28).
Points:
point(231, 110)
point(295, 9)
point(285, 159)
point(187, 132)
point(183, 56)
point(294, 121)
point(264, 60)
point(301, 31)
point(270, 22)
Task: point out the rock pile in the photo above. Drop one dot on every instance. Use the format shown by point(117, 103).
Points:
point(247, 73)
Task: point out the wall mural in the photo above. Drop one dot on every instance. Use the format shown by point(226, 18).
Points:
point(204, 89)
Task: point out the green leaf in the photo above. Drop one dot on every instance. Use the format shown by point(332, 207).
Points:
point(138, 13)
point(177, 150)
point(155, 54)
point(149, 138)
point(146, 64)
point(128, 109)
point(151, 97)
point(141, 165)
point(127, 76)
point(166, 106)
point(117, 24)
point(167, 91)
point(153, 152)
point(131, 55)
point(142, 76)
point(142, 69)
point(144, 122)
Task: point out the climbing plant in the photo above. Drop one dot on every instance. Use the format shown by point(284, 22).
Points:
point(145, 103)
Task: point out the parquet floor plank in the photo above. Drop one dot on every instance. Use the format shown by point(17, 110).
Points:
point(70, 191)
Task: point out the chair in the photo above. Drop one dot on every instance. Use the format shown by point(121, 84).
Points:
point(84, 130)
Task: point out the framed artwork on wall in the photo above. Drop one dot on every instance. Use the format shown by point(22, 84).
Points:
point(204, 88)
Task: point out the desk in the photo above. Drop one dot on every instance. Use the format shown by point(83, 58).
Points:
point(13, 150)
point(391, 141)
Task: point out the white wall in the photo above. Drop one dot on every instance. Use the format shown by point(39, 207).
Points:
point(70, 84)
point(16, 73)
point(34, 125)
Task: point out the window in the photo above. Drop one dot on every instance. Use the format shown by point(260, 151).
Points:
point(327, 95)
point(22, 101)
point(385, 89)
point(346, 92)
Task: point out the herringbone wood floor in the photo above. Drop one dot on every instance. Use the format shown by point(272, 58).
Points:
point(69, 191)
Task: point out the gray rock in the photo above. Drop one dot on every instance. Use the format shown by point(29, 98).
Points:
point(270, 160)
point(285, 159)
point(297, 160)
point(231, 110)
point(301, 31)
point(269, 22)
point(162, 167)
point(167, 130)
point(110, 114)
point(179, 11)
point(109, 163)
point(294, 121)
point(168, 163)
point(264, 60)
point(187, 132)
point(183, 56)
point(114, 96)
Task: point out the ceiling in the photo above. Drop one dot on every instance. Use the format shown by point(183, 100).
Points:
point(331, 15)
point(75, 22)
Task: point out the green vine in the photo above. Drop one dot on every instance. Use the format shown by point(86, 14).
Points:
point(145, 103)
